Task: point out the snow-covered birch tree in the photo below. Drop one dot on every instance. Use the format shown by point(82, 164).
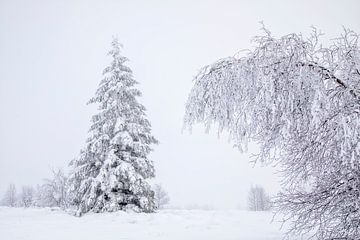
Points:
point(26, 197)
point(53, 192)
point(10, 199)
point(161, 196)
point(300, 101)
point(258, 200)
point(111, 172)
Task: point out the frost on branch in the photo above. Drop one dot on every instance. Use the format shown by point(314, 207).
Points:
point(111, 172)
point(300, 102)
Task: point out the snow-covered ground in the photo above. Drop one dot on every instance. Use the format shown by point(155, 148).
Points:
point(47, 224)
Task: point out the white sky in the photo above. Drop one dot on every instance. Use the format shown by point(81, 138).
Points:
point(52, 54)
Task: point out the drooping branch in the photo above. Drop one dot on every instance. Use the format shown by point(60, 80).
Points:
point(301, 103)
point(327, 75)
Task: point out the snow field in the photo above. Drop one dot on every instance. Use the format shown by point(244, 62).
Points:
point(54, 224)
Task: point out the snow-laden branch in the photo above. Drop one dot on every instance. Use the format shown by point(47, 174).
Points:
point(301, 103)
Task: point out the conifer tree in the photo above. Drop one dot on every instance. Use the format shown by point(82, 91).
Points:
point(111, 172)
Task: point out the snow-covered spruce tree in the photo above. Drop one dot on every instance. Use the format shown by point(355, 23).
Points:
point(110, 173)
point(300, 102)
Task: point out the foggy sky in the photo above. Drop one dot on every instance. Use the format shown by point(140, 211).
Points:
point(52, 54)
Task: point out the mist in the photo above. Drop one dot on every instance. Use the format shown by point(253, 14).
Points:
point(52, 55)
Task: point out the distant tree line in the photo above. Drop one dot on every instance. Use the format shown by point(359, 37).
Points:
point(54, 192)
point(51, 193)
